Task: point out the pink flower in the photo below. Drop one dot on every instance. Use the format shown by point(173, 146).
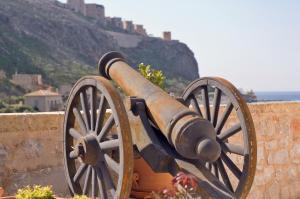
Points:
point(185, 180)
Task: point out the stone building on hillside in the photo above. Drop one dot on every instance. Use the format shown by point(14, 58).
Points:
point(95, 11)
point(129, 26)
point(117, 22)
point(167, 36)
point(2, 74)
point(64, 90)
point(28, 81)
point(140, 30)
point(77, 6)
point(44, 100)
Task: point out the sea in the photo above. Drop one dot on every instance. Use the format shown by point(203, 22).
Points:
point(278, 96)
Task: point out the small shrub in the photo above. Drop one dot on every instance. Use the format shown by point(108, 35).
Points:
point(35, 192)
point(155, 76)
point(80, 197)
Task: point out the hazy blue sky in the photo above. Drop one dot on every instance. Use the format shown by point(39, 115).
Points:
point(255, 44)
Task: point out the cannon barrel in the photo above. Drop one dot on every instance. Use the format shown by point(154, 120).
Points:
point(192, 136)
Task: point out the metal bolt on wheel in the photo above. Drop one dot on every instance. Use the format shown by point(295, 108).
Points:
point(236, 166)
point(98, 151)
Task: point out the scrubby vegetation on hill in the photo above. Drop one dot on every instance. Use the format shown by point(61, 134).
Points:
point(42, 37)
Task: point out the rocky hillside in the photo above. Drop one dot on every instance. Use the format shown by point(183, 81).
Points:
point(41, 36)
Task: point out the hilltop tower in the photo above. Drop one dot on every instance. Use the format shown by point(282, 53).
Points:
point(140, 29)
point(167, 36)
point(128, 25)
point(95, 11)
point(77, 6)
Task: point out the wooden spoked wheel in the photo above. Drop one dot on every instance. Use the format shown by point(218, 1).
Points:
point(218, 101)
point(98, 152)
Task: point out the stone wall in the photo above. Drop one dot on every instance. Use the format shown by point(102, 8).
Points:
point(31, 150)
point(126, 40)
point(278, 155)
point(77, 6)
point(96, 11)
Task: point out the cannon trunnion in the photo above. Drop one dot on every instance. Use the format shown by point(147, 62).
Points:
point(207, 132)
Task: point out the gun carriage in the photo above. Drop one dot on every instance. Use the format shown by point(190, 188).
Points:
point(207, 132)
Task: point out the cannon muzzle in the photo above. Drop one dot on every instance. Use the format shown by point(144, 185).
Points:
point(192, 136)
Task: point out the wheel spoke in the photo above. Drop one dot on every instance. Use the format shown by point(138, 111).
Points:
point(224, 118)
point(216, 106)
point(94, 183)
point(224, 175)
point(84, 106)
point(195, 104)
point(108, 179)
point(93, 106)
point(232, 148)
point(106, 128)
point(230, 132)
point(207, 164)
point(216, 171)
point(205, 99)
point(86, 181)
point(79, 172)
point(210, 166)
point(75, 134)
point(101, 114)
point(197, 169)
point(80, 120)
point(102, 188)
point(235, 170)
point(112, 163)
point(109, 145)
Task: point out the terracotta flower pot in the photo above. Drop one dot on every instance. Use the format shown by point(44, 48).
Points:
point(1, 191)
point(147, 181)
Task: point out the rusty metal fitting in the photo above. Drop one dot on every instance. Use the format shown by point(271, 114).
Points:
point(107, 60)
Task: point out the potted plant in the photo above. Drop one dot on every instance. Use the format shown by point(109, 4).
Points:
point(184, 187)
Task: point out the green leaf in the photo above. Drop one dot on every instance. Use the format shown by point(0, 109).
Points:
point(155, 76)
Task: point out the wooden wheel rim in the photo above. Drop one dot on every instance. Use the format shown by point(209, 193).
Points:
point(123, 187)
point(246, 122)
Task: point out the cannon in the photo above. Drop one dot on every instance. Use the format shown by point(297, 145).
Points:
point(207, 132)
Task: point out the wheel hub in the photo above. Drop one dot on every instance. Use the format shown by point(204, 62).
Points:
point(88, 149)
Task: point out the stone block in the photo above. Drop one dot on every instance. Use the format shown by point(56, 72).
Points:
point(260, 153)
point(257, 192)
point(268, 175)
point(294, 189)
point(293, 173)
point(295, 154)
point(259, 179)
point(273, 192)
point(295, 128)
point(271, 145)
point(279, 157)
point(285, 192)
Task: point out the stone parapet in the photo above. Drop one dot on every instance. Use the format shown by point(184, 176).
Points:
point(31, 150)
